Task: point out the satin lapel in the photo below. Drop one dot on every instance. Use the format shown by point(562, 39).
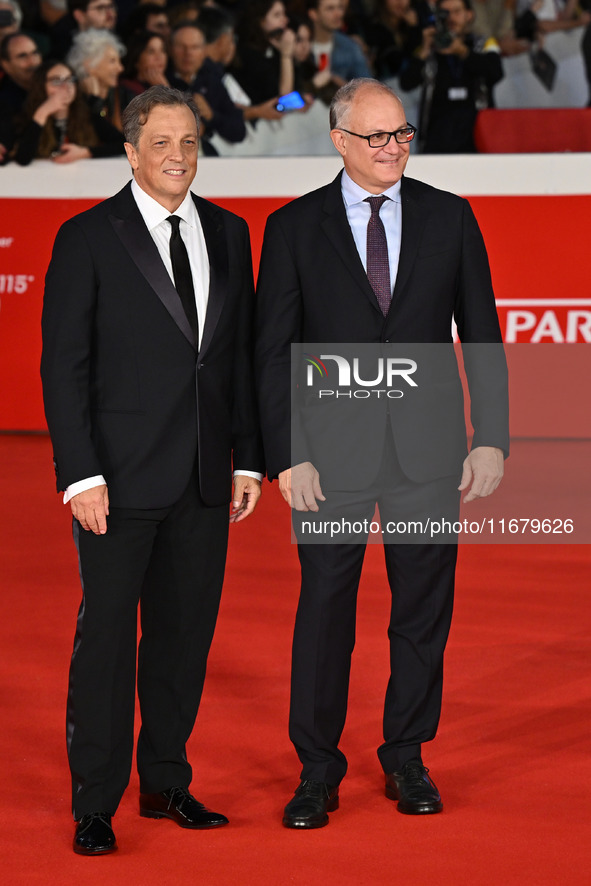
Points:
point(133, 233)
point(413, 220)
point(337, 229)
point(217, 251)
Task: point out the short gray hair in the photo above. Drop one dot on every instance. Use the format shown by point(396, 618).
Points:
point(89, 47)
point(138, 110)
point(344, 97)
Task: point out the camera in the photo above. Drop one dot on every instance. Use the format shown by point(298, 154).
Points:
point(443, 37)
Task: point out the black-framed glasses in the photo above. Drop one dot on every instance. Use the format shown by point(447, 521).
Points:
point(403, 136)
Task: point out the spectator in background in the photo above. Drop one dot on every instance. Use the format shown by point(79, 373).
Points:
point(315, 83)
point(19, 58)
point(457, 72)
point(220, 37)
point(184, 12)
point(392, 34)
point(56, 122)
point(147, 17)
point(264, 65)
point(220, 47)
point(96, 58)
point(496, 18)
point(333, 50)
point(81, 16)
point(191, 70)
point(145, 63)
point(554, 15)
point(50, 11)
point(11, 18)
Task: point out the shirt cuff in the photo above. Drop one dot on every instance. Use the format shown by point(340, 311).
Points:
point(254, 474)
point(82, 486)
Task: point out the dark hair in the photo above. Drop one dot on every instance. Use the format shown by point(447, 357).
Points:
point(137, 20)
point(467, 4)
point(214, 23)
point(78, 5)
point(187, 23)
point(139, 109)
point(249, 29)
point(379, 10)
point(181, 11)
point(7, 40)
point(80, 130)
point(344, 97)
point(136, 45)
point(296, 22)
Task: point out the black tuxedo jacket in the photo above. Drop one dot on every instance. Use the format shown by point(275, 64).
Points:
point(313, 288)
point(126, 393)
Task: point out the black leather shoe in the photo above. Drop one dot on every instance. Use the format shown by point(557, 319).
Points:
point(311, 804)
point(94, 835)
point(181, 807)
point(415, 791)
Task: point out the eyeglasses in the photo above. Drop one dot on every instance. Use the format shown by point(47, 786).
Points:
point(61, 81)
point(403, 136)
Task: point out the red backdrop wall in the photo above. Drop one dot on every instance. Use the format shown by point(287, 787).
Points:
point(538, 247)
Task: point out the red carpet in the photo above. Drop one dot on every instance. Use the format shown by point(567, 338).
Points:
point(511, 758)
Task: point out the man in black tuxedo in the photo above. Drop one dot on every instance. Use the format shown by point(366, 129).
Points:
point(149, 397)
point(319, 255)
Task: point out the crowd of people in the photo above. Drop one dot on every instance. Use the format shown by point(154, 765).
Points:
point(68, 68)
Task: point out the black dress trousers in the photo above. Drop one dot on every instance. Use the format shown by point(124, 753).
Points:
point(171, 561)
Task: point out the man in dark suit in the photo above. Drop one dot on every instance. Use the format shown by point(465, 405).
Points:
point(149, 399)
point(427, 266)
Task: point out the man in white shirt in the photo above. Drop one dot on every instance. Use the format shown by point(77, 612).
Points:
point(147, 329)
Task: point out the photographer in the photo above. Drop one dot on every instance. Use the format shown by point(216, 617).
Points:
point(457, 72)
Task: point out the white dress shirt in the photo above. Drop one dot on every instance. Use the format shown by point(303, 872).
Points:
point(359, 213)
point(155, 217)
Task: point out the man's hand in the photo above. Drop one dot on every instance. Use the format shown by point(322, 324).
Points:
point(483, 471)
point(91, 509)
point(300, 487)
point(456, 47)
point(247, 491)
point(426, 46)
point(264, 111)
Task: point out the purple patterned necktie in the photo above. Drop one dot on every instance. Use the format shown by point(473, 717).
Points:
point(378, 268)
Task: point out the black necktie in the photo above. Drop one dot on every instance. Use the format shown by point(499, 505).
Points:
point(378, 267)
point(183, 279)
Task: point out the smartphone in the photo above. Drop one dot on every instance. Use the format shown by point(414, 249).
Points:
point(290, 102)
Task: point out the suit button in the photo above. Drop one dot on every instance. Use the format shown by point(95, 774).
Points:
point(199, 365)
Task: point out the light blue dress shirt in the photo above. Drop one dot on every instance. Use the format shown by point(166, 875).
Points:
point(358, 215)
